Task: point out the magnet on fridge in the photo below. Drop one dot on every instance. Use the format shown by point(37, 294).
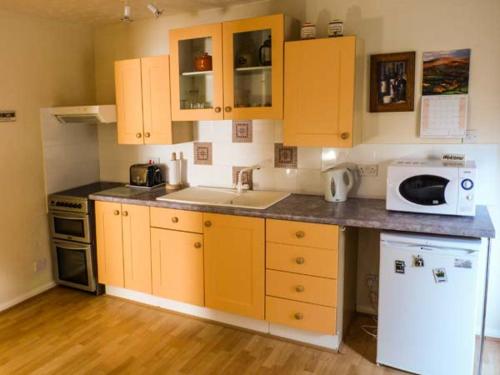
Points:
point(399, 266)
point(418, 261)
point(440, 275)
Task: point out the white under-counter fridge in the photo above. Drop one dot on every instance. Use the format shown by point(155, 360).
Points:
point(427, 303)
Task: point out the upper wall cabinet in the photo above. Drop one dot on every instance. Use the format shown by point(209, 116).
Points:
point(143, 103)
point(319, 92)
point(232, 70)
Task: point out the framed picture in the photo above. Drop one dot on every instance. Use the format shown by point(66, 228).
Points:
point(392, 82)
point(446, 72)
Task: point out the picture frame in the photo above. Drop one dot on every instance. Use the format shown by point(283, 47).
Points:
point(392, 82)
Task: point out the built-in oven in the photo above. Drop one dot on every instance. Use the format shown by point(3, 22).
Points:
point(73, 264)
point(70, 226)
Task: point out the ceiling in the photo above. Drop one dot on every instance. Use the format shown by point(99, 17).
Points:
point(108, 11)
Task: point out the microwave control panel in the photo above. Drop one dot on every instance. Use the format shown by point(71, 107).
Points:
point(466, 191)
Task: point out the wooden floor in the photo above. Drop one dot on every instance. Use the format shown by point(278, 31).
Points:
point(64, 331)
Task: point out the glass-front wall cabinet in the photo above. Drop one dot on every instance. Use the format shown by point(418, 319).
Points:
point(253, 68)
point(196, 69)
point(232, 70)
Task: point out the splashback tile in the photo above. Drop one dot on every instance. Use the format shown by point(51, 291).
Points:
point(202, 153)
point(285, 156)
point(242, 131)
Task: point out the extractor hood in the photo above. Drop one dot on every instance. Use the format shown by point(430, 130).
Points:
point(92, 114)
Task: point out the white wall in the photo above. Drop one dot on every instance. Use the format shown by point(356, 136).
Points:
point(42, 63)
point(381, 26)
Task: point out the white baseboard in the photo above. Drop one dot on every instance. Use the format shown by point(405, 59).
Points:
point(25, 296)
point(262, 326)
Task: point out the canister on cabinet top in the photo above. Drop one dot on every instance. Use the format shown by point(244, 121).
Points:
point(335, 28)
point(308, 31)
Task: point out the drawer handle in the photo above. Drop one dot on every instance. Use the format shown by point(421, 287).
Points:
point(208, 223)
point(125, 213)
point(175, 219)
point(147, 134)
point(217, 109)
point(228, 109)
point(138, 135)
point(197, 245)
point(300, 260)
point(300, 234)
point(344, 136)
point(298, 316)
point(116, 212)
point(299, 288)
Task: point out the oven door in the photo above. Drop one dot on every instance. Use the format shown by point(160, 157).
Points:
point(433, 190)
point(73, 265)
point(70, 226)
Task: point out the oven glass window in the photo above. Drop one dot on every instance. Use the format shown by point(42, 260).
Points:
point(70, 227)
point(426, 190)
point(72, 265)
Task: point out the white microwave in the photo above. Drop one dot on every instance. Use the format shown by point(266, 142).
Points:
point(432, 186)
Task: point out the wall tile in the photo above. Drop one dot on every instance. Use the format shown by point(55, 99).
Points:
point(285, 156)
point(309, 157)
point(202, 152)
point(242, 131)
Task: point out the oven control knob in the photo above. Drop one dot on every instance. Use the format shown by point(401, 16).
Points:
point(58, 203)
point(79, 205)
point(467, 184)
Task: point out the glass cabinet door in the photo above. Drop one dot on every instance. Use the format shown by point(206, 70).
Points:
point(253, 68)
point(196, 73)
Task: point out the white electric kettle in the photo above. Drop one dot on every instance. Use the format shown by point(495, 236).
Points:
point(338, 183)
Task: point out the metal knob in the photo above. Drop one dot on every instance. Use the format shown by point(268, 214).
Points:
point(300, 260)
point(125, 213)
point(228, 109)
point(147, 134)
point(208, 223)
point(217, 109)
point(300, 234)
point(175, 219)
point(138, 135)
point(116, 212)
point(344, 135)
point(298, 316)
point(299, 288)
point(197, 245)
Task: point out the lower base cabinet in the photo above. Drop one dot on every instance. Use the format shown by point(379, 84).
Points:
point(235, 264)
point(177, 260)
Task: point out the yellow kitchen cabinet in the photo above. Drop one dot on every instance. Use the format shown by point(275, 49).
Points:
point(123, 246)
point(235, 264)
point(245, 81)
point(143, 103)
point(109, 243)
point(319, 92)
point(177, 259)
point(136, 248)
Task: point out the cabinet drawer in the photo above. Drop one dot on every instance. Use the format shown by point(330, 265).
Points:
point(303, 234)
point(305, 260)
point(303, 288)
point(168, 218)
point(301, 315)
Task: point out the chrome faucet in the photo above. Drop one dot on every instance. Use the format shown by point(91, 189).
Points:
point(239, 183)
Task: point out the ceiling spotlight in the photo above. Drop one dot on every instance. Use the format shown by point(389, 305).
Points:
point(127, 13)
point(153, 9)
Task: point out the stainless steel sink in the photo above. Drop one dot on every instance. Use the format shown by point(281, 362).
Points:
point(259, 200)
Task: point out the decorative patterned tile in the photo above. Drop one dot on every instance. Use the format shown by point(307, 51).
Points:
point(247, 176)
point(202, 153)
point(285, 156)
point(242, 131)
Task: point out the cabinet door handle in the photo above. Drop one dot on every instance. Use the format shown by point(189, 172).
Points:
point(298, 316)
point(299, 288)
point(197, 245)
point(125, 213)
point(116, 212)
point(300, 260)
point(208, 223)
point(344, 135)
point(228, 109)
point(138, 135)
point(217, 109)
point(175, 219)
point(147, 134)
point(300, 234)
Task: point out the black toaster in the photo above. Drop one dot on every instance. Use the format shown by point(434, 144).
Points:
point(147, 175)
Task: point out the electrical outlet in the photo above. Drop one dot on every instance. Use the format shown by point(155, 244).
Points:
point(368, 170)
point(39, 265)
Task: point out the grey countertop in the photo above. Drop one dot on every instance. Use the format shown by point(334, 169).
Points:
point(356, 212)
